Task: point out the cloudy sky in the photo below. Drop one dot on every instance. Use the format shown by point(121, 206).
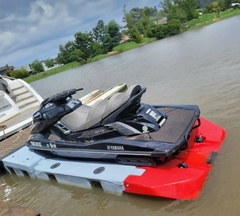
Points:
point(34, 29)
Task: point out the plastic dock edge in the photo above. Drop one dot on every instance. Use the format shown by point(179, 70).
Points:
point(83, 174)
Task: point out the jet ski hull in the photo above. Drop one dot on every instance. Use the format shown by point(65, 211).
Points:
point(145, 148)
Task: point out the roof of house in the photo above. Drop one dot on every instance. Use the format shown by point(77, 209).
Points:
point(6, 68)
point(161, 21)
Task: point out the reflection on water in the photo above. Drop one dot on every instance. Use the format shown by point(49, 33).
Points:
point(49, 196)
point(197, 67)
point(5, 191)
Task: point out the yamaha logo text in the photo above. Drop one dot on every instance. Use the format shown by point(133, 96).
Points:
point(109, 147)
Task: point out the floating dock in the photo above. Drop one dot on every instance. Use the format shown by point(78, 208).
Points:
point(179, 178)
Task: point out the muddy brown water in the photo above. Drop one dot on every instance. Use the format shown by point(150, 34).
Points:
point(200, 67)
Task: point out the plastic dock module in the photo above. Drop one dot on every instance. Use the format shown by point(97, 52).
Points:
point(83, 174)
point(179, 178)
point(110, 176)
point(22, 161)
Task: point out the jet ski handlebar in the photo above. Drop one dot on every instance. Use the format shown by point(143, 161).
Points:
point(60, 97)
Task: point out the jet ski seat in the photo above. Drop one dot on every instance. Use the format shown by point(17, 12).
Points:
point(87, 116)
point(119, 99)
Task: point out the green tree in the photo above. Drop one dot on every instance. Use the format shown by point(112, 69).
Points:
point(19, 73)
point(135, 35)
point(139, 17)
point(150, 12)
point(70, 46)
point(37, 66)
point(83, 42)
point(173, 27)
point(136, 14)
point(76, 55)
point(149, 32)
point(145, 26)
point(160, 31)
point(63, 55)
point(223, 4)
point(213, 7)
point(127, 19)
point(49, 63)
point(227, 3)
point(182, 10)
point(173, 11)
point(96, 48)
point(188, 6)
point(98, 31)
point(112, 36)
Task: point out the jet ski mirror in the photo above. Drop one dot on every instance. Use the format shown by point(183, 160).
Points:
point(37, 116)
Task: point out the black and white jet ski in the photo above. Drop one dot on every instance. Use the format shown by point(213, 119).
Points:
point(120, 128)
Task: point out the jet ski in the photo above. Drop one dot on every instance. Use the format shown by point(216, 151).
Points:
point(120, 128)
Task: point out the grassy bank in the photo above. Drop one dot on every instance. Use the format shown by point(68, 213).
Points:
point(122, 48)
point(203, 20)
point(116, 50)
point(131, 45)
point(51, 72)
point(209, 18)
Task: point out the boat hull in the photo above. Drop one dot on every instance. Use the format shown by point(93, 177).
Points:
point(17, 108)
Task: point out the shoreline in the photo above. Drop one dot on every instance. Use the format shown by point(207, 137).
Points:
point(193, 24)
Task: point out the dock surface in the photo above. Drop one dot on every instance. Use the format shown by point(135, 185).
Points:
point(14, 142)
point(7, 209)
point(7, 146)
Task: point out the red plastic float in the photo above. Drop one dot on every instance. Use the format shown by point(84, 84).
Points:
point(184, 176)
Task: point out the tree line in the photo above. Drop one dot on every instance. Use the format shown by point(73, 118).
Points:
point(139, 23)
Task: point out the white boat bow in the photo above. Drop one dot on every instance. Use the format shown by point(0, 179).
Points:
point(18, 102)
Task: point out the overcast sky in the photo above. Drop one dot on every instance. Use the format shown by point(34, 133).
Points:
point(34, 29)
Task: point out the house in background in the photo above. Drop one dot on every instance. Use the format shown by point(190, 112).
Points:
point(4, 69)
point(46, 68)
point(124, 38)
point(161, 21)
point(26, 67)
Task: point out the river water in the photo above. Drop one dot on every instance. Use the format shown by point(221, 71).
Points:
point(200, 67)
